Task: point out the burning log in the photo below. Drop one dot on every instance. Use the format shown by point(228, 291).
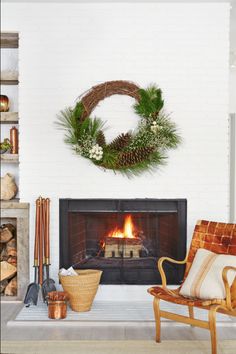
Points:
point(123, 242)
point(122, 247)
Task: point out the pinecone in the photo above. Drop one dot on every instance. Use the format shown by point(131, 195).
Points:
point(101, 140)
point(120, 142)
point(133, 157)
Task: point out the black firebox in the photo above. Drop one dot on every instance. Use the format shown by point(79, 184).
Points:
point(124, 238)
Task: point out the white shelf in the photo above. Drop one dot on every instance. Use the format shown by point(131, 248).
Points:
point(9, 117)
point(10, 158)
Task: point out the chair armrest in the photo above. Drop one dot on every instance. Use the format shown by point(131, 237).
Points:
point(161, 270)
point(227, 286)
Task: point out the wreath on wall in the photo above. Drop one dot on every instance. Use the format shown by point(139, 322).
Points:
point(132, 152)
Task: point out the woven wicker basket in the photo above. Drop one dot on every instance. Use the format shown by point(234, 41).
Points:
point(81, 289)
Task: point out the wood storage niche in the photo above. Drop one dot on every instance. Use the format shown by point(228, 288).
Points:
point(8, 257)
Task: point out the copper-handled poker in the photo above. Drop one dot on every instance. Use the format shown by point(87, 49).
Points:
point(41, 240)
point(48, 228)
point(48, 283)
point(36, 241)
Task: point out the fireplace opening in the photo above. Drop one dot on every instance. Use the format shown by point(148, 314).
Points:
point(124, 238)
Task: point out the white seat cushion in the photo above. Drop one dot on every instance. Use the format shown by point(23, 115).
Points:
point(204, 280)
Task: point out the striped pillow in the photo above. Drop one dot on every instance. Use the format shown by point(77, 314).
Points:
point(204, 280)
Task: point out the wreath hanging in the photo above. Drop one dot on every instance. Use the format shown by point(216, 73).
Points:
point(132, 152)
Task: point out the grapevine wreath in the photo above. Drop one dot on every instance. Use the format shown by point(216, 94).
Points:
point(132, 152)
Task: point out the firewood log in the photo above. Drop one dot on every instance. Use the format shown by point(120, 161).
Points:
point(11, 252)
point(11, 227)
point(3, 256)
point(123, 247)
point(12, 260)
point(11, 288)
point(6, 233)
point(11, 245)
point(7, 270)
point(2, 247)
point(3, 285)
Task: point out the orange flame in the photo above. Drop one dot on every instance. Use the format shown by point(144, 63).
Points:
point(127, 232)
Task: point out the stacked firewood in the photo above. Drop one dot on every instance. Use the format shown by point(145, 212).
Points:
point(8, 264)
point(123, 247)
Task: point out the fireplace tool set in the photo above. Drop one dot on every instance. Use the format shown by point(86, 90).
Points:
point(41, 254)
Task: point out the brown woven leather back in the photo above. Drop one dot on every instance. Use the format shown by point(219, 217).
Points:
point(217, 237)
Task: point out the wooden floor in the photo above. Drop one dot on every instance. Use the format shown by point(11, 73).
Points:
point(141, 331)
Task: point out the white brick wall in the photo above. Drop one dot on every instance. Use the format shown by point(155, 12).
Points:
point(67, 48)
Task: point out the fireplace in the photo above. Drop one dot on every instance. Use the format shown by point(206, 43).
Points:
point(124, 237)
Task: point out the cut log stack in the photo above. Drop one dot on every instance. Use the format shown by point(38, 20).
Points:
point(123, 247)
point(8, 258)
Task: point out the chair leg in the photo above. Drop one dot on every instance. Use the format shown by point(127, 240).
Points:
point(212, 327)
point(191, 313)
point(156, 308)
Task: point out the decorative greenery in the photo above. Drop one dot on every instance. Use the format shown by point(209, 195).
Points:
point(132, 152)
point(5, 145)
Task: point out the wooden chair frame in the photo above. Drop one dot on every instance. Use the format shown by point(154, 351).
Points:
point(226, 306)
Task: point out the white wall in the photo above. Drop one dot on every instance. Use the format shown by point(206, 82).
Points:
point(67, 48)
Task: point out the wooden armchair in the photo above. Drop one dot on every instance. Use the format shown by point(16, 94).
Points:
point(216, 237)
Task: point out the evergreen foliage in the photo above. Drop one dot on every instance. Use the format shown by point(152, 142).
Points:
point(151, 102)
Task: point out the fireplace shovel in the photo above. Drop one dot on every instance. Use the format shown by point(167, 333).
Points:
point(48, 283)
point(31, 296)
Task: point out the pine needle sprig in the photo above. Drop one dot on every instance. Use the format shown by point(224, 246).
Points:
point(78, 110)
point(109, 159)
point(68, 122)
point(150, 103)
point(80, 135)
point(167, 135)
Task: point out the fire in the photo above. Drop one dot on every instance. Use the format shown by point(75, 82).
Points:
point(128, 229)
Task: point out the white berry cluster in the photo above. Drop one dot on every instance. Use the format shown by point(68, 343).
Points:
point(96, 152)
point(155, 127)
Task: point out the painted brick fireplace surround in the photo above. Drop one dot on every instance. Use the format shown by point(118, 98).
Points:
point(182, 47)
